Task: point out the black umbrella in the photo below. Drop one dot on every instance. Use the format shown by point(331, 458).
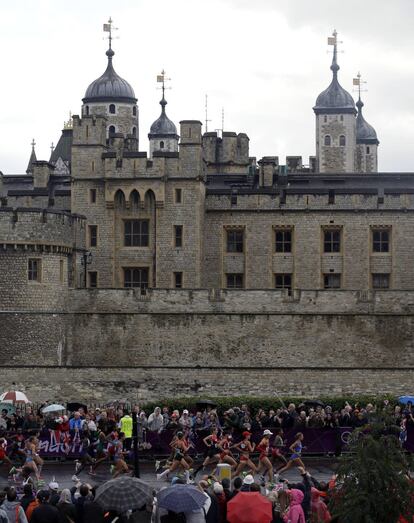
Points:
point(202, 404)
point(314, 403)
point(75, 405)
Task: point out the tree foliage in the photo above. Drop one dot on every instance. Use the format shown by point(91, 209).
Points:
point(373, 485)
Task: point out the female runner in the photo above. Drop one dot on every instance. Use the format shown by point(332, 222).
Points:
point(226, 455)
point(278, 444)
point(263, 448)
point(295, 458)
point(30, 452)
point(121, 466)
point(180, 448)
point(245, 447)
point(213, 452)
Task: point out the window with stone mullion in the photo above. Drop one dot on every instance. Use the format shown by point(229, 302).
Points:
point(136, 233)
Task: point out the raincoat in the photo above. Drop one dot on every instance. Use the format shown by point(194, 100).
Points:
point(319, 511)
point(295, 514)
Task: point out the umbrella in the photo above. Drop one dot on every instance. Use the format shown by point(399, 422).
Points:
point(206, 403)
point(181, 498)
point(249, 506)
point(124, 493)
point(11, 409)
point(405, 399)
point(53, 408)
point(14, 396)
point(75, 405)
point(314, 403)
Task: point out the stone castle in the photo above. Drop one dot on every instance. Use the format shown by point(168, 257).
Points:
point(196, 269)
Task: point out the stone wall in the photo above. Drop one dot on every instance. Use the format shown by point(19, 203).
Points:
point(111, 342)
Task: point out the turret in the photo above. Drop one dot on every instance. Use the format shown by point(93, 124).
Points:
point(367, 143)
point(335, 124)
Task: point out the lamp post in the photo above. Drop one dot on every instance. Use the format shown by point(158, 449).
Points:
point(85, 261)
point(135, 442)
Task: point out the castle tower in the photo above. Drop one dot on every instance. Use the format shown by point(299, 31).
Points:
point(367, 143)
point(113, 97)
point(335, 124)
point(163, 135)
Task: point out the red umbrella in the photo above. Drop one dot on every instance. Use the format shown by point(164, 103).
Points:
point(14, 396)
point(249, 507)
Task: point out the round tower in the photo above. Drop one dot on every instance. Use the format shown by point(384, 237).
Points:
point(335, 124)
point(163, 135)
point(367, 143)
point(113, 97)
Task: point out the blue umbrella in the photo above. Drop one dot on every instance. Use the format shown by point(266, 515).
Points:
point(405, 399)
point(181, 498)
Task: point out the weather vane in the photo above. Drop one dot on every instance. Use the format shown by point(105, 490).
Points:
point(358, 83)
point(161, 78)
point(108, 28)
point(333, 40)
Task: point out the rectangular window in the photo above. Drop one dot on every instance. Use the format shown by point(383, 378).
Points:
point(93, 235)
point(381, 240)
point(234, 281)
point(136, 277)
point(34, 269)
point(178, 280)
point(178, 196)
point(235, 240)
point(136, 233)
point(283, 281)
point(283, 240)
point(331, 240)
point(61, 271)
point(178, 236)
point(380, 281)
point(92, 279)
point(92, 195)
point(332, 281)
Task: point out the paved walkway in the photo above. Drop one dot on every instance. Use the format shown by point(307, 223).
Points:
point(321, 469)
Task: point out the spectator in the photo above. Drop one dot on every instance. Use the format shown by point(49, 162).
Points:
point(67, 510)
point(13, 509)
point(156, 420)
point(54, 495)
point(126, 428)
point(44, 513)
point(28, 496)
point(84, 492)
point(185, 421)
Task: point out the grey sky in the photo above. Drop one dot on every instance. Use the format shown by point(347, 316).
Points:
point(264, 61)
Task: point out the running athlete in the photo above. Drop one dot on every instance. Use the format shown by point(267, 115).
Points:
point(101, 452)
point(121, 466)
point(213, 451)
point(264, 461)
point(30, 451)
point(295, 458)
point(245, 447)
point(278, 444)
point(180, 449)
point(226, 455)
point(86, 457)
point(3, 453)
point(36, 457)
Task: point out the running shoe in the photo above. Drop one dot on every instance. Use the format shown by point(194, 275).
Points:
point(111, 469)
point(77, 466)
point(12, 471)
point(157, 465)
point(92, 473)
point(75, 478)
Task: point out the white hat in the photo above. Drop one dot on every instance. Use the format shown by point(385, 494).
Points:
point(185, 411)
point(54, 485)
point(267, 433)
point(248, 480)
point(218, 488)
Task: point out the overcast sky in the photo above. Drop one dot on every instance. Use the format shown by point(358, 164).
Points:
point(265, 62)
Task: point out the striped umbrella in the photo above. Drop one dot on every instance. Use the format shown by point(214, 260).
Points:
point(124, 493)
point(14, 396)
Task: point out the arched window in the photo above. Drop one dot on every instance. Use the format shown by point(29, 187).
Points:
point(87, 110)
point(111, 130)
point(134, 131)
point(341, 117)
point(161, 145)
point(367, 149)
point(327, 140)
point(325, 118)
point(134, 199)
point(134, 110)
point(119, 199)
point(112, 108)
point(342, 140)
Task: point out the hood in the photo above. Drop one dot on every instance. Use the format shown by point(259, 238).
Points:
point(315, 493)
point(296, 496)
